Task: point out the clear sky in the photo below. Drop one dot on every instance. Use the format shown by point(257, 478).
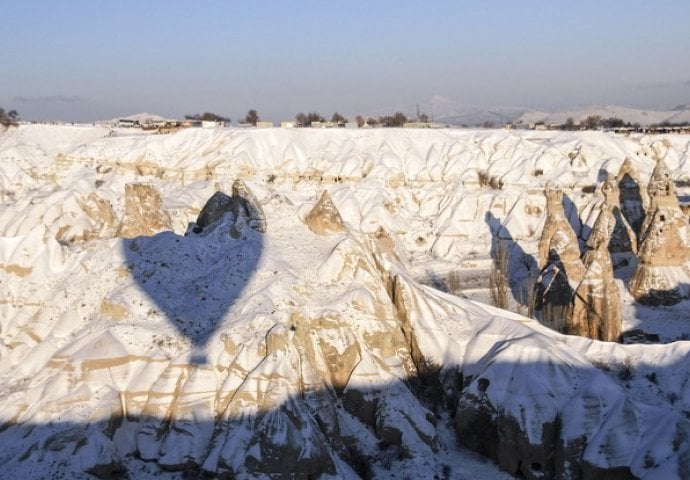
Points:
point(97, 59)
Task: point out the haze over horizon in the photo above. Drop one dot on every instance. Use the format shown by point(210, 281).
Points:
point(87, 61)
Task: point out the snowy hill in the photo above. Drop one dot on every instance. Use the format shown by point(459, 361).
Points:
point(142, 335)
point(139, 117)
point(448, 111)
point(632, 115)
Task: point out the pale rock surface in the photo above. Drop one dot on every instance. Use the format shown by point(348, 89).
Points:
point(663, 273)
point(290, 353)
point(324, 218)
point(559, 261)
point(596, 307)
point(144, 212)
point(619, 234)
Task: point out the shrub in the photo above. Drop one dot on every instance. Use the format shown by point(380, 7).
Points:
point(498, 279)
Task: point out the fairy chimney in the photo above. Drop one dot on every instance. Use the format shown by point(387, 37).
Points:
point(620, 235)
point(559, 260)
point(558, 241)
point(596, 308)
point(662, 276)
point(632, 197)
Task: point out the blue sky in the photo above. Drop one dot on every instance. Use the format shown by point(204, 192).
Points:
point(88, 60)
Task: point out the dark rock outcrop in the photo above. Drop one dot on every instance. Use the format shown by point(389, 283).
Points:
point(242, 205)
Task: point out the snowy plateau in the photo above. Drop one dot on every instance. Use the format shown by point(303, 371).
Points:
point(328, 317)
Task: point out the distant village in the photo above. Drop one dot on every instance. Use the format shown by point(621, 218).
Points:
point(398, 120)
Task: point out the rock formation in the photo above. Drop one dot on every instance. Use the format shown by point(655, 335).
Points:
point(144, 212)
point(596, 308)
point(242, 205)
point(324, 218)
point(663, 272)
point(559, 260)
point(256, 213)
point(632, 198)
point(620, 236)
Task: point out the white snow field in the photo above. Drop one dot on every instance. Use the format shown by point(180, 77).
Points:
point(129, 349)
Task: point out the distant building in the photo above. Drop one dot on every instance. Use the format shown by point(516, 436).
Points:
point(264, 124)
point(128, 123)
point(324, 124)
point(288, 124)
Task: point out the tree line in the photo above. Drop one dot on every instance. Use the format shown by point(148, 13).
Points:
point(398, 119)
point(8, 118)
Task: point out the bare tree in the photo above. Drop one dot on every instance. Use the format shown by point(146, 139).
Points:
point(306, 120)
point(252, 117)
point(591, 122)
point(398, 119)
point(337, 118)
point(301, 119)
point(360, 121)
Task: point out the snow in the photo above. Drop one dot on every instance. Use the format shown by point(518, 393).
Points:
point(193, 329)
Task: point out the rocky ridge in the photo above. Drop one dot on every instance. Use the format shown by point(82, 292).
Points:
point(323, 355)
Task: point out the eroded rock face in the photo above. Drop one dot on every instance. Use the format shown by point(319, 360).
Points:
point(324, 218)
point(596, 308)
point(287, 395)
point(558, 240)
point(242, 205)
point(621, 236)
point(632, 196)
point(144, 212)
point(580, 437)
point(559, 260)
point(256, 213)
point(663, 273)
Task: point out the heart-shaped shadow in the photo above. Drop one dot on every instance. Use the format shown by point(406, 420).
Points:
point(195, 279)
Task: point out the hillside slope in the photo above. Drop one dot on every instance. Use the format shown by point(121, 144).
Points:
point(132, 341)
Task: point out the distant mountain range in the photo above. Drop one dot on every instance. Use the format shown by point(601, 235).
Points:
point(449, 111)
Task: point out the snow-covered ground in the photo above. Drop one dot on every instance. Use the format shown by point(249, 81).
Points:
point(235, 351)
